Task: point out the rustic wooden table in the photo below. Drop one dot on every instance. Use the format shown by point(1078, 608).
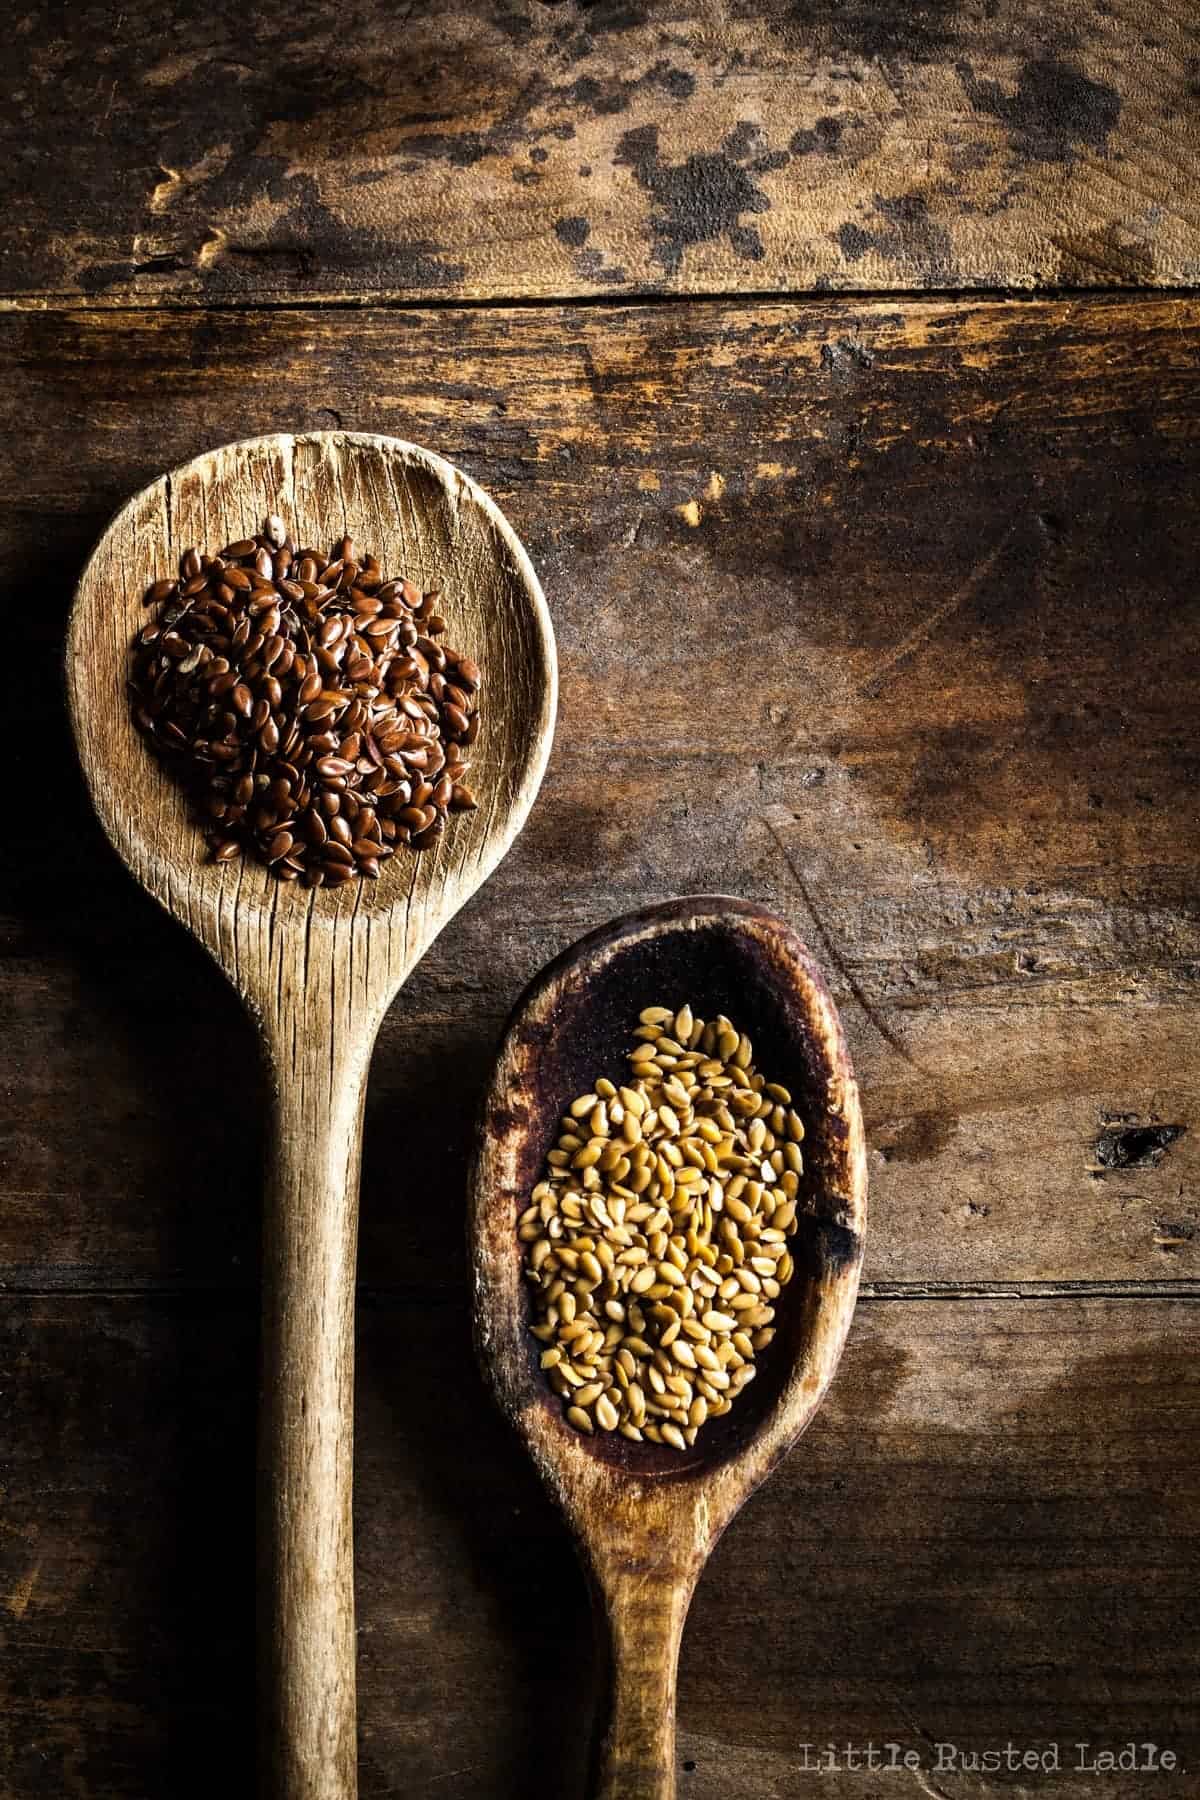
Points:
point(836, 362)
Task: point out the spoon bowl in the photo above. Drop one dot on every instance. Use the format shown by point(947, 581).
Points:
point(421, 517)
point(644, 1516)
point(317, 969)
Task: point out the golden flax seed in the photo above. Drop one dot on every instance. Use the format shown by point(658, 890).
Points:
point(655, 1243)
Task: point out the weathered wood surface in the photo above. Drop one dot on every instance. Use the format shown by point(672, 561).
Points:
point(882, 614)
point(518, 149)
point(989, 1533)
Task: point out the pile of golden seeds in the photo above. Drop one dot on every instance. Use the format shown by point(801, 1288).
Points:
point(656, 1244)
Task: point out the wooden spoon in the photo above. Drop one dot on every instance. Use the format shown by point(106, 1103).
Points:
point(317, 970)
point(645, 1517)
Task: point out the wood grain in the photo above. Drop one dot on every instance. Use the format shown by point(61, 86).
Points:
point(923, 677)
point(516, 150)
point(315, 969)
point(879, 613)
point(987, 1533)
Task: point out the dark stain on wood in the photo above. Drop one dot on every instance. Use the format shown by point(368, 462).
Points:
point(904, 233)
point(700, 200)
point(1055, 112)
point(573, 232)
point(870, 29)
point(1105, 255)
point(922, 1138)
point(822, 139)
point(604, 99)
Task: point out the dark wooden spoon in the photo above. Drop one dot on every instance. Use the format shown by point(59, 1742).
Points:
point(645, 1517)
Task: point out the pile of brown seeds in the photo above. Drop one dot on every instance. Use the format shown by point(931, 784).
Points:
point(306, 705)
point(657, 1242)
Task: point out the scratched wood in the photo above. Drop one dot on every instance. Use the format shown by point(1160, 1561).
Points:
point(513, 149)
point(884, 615)
point(999, 1495)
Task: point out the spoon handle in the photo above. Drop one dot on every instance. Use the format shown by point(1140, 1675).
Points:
point(306, 1421)
point(644, 1615)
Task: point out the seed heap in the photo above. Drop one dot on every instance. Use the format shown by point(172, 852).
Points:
point(306, 706)
point(656, 1244)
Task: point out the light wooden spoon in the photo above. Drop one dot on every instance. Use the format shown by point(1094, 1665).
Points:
point(317, 970)
point(645, 1517)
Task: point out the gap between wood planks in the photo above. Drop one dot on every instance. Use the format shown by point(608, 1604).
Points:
point(35, 1286)
point(399, 301)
